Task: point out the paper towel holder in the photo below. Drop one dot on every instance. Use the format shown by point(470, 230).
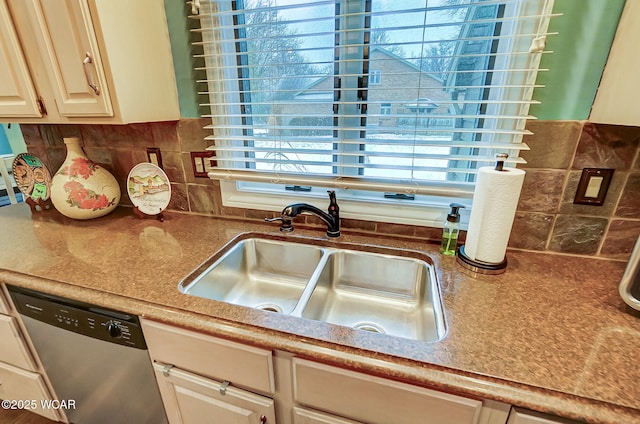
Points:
point(475, 265)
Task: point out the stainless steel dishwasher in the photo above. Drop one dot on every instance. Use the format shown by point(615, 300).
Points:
point(96, 359)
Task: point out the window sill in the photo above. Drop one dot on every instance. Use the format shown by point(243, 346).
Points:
point(426, 212)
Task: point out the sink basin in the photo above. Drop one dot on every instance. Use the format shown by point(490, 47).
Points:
point(366, 288)
point(379, 293)
point(258, 273)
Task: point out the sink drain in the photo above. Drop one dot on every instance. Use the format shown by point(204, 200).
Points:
point(270, 307)
point(369, 326)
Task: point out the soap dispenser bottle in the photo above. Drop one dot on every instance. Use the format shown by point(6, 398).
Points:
point(450, 230)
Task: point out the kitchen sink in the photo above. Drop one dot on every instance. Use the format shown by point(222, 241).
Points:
point(378, 293)
point(368, 288)
point(258, 273)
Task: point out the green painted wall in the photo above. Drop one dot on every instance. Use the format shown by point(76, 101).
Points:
point(586, 30)
point(179, 26)
point(14, 136)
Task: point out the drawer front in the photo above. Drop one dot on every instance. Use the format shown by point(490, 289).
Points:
point(242, 365)
point(13, 349)
point(19, 385)
point(519, 416)
point(376, 400)
point(307, 416)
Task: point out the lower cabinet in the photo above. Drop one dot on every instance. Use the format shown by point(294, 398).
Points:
point(206, 379)
point(22, 380)
point(192, 399)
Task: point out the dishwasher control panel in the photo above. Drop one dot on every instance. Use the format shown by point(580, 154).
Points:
point(81, 318)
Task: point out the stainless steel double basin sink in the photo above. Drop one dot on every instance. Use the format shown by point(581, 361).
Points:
point(373, 289)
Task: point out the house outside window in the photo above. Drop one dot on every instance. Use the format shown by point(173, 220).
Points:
point(297, 97)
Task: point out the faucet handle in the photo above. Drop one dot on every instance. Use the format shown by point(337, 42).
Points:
point(334, 210)
point(286, 226)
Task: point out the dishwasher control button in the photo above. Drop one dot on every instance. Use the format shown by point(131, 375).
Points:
point(114, 329)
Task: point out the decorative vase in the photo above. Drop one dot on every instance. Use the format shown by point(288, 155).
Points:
point(82, 189)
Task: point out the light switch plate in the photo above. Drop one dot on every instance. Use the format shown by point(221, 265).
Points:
point(154, 156)
point(199, 163)
point(593, 186)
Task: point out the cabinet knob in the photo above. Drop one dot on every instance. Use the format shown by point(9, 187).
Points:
point(263, 419)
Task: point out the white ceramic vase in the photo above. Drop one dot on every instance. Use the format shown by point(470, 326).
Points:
point(82, 189)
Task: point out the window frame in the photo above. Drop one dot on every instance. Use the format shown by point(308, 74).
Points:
point(425, 210)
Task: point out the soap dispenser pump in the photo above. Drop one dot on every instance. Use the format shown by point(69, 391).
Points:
point(450, 230)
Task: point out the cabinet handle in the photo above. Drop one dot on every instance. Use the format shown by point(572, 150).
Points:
point(166, 369)
point(223, 387)
point(87, 73)
point(263, 419)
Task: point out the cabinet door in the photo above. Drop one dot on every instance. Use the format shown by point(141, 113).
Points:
point(616, 100)
point(67, 52)
point(192, 399)
point(17, 94)
point(13, 349)
point(27, 389)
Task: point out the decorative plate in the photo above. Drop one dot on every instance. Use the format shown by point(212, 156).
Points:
point(149, 188)
point(32, 176)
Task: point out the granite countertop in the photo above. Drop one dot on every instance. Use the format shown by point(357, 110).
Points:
point(551, 334)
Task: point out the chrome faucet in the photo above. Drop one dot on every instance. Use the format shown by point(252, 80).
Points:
point(331, 217)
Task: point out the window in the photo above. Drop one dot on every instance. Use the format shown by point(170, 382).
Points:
point(297, 96)
point(375, 76)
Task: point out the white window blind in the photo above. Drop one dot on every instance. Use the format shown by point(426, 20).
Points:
point(292, 100)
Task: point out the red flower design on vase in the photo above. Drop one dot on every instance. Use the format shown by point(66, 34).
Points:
point(79, 167)
point(83, 198)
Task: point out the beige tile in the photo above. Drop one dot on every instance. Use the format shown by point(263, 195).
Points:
point(577, 234)
point(629, 205)
point(191, 134)
point(202, 199)
point(173, 166)
point(531, 230)
point(179, 198)
point(542, 190)
point(607, 146)
point(165, 136)
point(552, 144)
point(620, 239)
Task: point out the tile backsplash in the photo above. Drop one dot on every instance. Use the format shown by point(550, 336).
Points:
point(547, 219)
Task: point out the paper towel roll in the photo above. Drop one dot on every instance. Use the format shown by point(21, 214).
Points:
point(494, 207)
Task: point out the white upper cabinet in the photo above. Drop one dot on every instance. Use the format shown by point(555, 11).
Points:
point(90, 61)
point(617, 97)
point(17, 94)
